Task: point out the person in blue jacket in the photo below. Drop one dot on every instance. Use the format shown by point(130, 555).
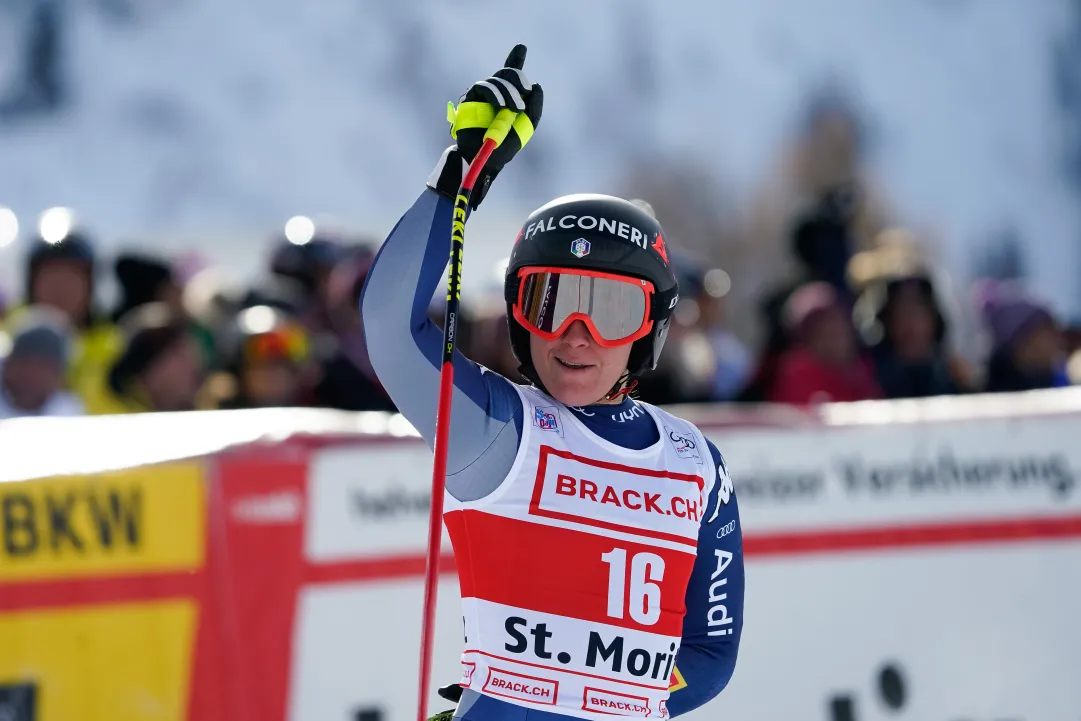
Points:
point(589, 293)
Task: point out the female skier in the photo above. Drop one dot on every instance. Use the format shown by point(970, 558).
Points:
point(597, 538)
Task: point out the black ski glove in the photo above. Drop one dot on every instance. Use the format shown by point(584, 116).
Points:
point(508, 89)
point(451, 692)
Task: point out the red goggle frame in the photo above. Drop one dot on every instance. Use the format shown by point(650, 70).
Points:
point(614, 308)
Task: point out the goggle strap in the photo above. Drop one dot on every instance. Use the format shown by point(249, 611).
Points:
point(626, 390)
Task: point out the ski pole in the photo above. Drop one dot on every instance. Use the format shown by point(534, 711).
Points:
point(492, 138)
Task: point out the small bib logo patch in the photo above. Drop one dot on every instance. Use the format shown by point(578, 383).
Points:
point(546, 418)
point(685, 444)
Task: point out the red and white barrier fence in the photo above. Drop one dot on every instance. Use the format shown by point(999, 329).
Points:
point(912, 560)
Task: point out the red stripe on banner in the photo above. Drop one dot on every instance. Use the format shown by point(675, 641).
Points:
point(944, 534)
point(97, 590)
point(214, 691)
point(261, 573)
point(525, 565)
point(377, 568)
point(855, 540)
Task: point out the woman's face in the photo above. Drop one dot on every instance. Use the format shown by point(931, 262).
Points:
point(574, 368)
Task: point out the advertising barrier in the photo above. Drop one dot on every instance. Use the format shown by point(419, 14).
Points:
point(917, 561)
point(915, 571)
point(102, 584)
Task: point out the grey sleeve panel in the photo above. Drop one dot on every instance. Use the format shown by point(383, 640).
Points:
point(405, 346)
point(484, 475)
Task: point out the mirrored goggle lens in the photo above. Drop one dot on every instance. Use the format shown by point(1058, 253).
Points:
point(616, 307)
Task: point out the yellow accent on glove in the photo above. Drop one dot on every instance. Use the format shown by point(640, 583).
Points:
point(470, 115)
point(501, 126)
point(524, 127)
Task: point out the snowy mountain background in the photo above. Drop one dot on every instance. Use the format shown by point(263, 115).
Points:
point(205, 124)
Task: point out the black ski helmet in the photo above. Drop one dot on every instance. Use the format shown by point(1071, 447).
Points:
point(620, 237)
point(75, 246)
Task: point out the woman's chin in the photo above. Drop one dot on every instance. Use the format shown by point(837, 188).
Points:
point(575, 399)
point(571, 393)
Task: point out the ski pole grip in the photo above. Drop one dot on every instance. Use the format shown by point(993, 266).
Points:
point(501, 126)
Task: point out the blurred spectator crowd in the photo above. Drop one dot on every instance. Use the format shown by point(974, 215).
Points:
point(180, 339)
point(819, 297)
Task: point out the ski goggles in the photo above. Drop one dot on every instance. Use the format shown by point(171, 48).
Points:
point(614, 308)
point(287, 343)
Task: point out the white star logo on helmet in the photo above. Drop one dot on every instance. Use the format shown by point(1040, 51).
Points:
point(580, 247)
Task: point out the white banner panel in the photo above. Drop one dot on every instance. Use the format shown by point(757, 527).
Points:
point(986, 632)
point(789, 479)
point(369, 502)
point(911, 572)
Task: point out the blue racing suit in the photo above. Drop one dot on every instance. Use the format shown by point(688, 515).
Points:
point(486, 425)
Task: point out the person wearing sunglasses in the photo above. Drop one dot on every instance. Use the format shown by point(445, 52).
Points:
point(597, 538)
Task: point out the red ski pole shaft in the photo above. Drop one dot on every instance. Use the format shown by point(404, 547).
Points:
point(498, 130)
